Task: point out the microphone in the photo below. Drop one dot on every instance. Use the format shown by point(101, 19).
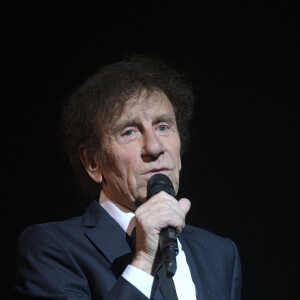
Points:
point(167, 238)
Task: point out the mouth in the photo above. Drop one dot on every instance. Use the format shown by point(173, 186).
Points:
point(153, 171)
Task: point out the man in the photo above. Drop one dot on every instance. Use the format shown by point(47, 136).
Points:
point(123, 125)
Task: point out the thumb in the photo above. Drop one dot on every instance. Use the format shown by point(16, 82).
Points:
point(185, 204)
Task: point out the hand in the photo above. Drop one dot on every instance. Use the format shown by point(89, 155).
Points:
point(161, 211)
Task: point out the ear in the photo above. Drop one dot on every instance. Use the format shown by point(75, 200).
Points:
point(91, 165)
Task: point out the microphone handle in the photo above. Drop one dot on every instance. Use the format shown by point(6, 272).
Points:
point(168, 237)
point(169, 250)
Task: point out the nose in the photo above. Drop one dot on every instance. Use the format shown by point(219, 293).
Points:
point(153, 146)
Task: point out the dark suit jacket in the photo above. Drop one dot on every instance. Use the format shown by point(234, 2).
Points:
point(84, 257)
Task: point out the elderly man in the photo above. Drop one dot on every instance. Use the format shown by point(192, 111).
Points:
point(126, 123)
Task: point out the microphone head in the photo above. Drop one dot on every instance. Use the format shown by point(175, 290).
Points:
point(158, 183)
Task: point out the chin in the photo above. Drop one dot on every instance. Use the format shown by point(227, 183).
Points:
point(140, 199)
point(138, 203)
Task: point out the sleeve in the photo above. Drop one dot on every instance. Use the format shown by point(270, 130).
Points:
point(236, 284)
point(124, 290)
point(144, 282)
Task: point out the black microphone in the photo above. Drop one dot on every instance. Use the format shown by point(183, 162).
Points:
point(168, 238)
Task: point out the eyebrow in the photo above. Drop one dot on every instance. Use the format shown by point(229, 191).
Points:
point(165, 118)
point(170, 119)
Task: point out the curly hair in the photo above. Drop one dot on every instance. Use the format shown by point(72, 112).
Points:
point(102, 97)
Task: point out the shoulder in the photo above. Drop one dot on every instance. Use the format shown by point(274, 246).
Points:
point(39, 234)
point(208, 241)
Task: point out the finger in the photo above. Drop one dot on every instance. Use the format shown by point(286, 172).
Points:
point(185, 205)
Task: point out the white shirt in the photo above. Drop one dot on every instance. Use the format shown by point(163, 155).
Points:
point(184, 285)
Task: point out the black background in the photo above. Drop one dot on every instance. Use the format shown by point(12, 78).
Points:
point(240, 170)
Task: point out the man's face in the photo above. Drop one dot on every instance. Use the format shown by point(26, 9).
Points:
point(142, 142)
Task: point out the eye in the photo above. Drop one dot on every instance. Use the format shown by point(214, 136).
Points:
point(128, 132)
point(162, 127)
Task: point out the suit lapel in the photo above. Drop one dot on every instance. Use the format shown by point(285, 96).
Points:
point(196, 257)
point(107, 236)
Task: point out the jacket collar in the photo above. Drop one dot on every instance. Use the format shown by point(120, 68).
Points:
point(100, 228)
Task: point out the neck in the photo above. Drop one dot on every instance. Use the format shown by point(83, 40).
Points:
point(103, 197)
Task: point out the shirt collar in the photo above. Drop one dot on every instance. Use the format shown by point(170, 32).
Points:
point(125, 219)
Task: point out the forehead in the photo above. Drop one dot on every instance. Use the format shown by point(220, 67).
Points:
point(147, 105)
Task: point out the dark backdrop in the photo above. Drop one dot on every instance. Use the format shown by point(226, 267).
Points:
point(240, 170)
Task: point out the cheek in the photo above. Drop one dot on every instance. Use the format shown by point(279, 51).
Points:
point(179, 157)
point(126, 162)
point(177, 148)
point(179, 163)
